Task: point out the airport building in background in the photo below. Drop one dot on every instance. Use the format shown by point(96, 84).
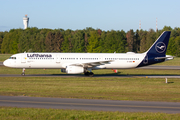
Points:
point(25, 22)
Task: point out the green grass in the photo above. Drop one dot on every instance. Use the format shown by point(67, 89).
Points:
point(8, 113)
point(138, 89)
point(6, 70)
point(4, 57)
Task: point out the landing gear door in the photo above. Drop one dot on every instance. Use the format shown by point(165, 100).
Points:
point(57, 58)
point(23, 58)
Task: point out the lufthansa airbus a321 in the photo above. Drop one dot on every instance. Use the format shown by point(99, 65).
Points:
point(76, 63)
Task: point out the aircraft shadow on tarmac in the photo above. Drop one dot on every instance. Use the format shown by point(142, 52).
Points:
point(75, 75)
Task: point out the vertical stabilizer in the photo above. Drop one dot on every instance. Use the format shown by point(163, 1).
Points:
point(160, 45)
point(157, 52)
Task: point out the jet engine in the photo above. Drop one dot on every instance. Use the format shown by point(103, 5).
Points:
point(73, 70)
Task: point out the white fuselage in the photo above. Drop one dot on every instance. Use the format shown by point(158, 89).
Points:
point(61, 60)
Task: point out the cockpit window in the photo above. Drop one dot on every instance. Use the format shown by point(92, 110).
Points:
point(12, 58)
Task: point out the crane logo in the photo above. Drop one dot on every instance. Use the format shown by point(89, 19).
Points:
point(160, 47)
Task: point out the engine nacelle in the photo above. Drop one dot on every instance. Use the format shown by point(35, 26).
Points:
point(74, 69)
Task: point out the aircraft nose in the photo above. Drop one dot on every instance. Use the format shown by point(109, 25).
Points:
point(5, 63)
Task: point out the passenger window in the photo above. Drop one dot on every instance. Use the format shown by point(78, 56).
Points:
point(12, 58)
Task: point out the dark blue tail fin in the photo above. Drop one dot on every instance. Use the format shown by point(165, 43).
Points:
point(157, 52)
point(160, 45)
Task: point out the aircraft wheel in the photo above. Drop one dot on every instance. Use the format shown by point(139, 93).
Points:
point(23, 74)
point(91, 74)
point(86, 73)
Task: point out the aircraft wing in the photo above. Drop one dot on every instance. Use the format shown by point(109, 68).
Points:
point(91, 64)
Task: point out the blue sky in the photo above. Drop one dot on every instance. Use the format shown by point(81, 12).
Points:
point(79, 14)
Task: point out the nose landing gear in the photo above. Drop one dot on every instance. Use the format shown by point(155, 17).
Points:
point(23, 72)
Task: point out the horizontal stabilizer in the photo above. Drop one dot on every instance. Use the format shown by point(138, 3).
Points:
point(168, 57)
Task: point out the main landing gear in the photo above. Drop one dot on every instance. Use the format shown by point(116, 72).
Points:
point(23, 72)
point(91, 74)
point(87, 73)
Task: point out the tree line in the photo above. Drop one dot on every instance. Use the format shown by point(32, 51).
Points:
point(88, 40)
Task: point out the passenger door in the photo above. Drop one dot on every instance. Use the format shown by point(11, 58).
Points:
point(57, 58)
point(23, 58)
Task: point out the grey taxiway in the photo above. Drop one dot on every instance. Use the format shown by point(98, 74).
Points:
point(81, 75)
point(86, 104)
